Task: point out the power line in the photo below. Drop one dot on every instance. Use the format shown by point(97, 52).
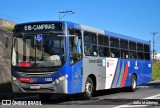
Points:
point(157, 39)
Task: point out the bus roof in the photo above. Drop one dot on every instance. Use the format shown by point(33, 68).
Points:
point(105, 32)
point(91, 29)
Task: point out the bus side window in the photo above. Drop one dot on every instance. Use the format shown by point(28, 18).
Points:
point(112, 53)
point(86, 50)
point(140, 56)
point(90, 44)
point(140, 50)
point(146, 52)
point(147, 56)
point(133, 55)
point(115, 53)
point(132, 50)
point(101, 51)
point(75, 44)
point(124, 54)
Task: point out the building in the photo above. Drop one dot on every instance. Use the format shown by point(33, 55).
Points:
point(157, 56)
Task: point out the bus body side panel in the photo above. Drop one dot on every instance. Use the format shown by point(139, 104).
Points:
point(142, 69)
point(131, 71)
point(74, 71)
point(76, 82)
point(94, 66)
point(124, 70)
point(121, 74)
point(147, 71)
point(112, 72)
point(117, 72)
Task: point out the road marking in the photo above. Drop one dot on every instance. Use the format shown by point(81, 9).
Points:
point(127, 106)
point(148, 86)
point(153, 97)
point(80, 102)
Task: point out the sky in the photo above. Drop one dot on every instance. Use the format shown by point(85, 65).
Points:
point(135, 18)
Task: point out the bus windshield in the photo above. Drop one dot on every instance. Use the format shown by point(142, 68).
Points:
point(40, 50)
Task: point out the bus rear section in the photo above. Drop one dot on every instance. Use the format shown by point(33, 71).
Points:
point(116, 72)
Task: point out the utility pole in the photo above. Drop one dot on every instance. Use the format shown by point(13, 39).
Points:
point(153, 50)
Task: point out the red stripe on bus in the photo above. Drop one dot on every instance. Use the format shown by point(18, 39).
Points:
point(125, 75)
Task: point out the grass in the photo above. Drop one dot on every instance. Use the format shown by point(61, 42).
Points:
point(5, 87)
point(156, 70)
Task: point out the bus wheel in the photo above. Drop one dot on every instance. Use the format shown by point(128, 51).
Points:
point(89, 89)
point(45, 96)
point(133, 83)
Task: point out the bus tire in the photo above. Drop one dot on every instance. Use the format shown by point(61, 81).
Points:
point(45, 96)
point(133, 83)
point(89, 89)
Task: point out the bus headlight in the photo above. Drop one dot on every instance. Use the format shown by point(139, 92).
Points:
point(60, 79)
point(14, 79)
point(57, 81)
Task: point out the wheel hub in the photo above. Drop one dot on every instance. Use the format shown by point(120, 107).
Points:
point(88, 88)
point(134, 84)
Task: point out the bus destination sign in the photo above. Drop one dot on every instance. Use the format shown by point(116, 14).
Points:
point(40, 27)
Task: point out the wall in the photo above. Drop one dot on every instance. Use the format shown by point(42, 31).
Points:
point(5, 53)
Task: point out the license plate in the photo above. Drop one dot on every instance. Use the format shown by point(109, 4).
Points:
point(35, 87)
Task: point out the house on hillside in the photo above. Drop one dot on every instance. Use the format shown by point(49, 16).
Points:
point(157, 56)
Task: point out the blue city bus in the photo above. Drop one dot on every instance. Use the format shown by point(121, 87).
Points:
point(50, 57)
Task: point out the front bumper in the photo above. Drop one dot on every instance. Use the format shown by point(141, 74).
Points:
point(60, 87)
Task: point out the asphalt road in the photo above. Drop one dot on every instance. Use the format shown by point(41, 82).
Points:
point(147, 95)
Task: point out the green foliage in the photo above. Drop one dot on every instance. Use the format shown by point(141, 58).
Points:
point(5, 87)
point(10, 27)
point(156, 70)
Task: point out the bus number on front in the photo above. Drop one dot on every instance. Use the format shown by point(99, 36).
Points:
point(48, 79)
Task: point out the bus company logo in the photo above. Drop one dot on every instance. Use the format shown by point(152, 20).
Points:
point(110, 60)
point(110, 64)
point(6, 102)
point(33, 80)
point(39, 27)
point(20, 103)
point(95, 61)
